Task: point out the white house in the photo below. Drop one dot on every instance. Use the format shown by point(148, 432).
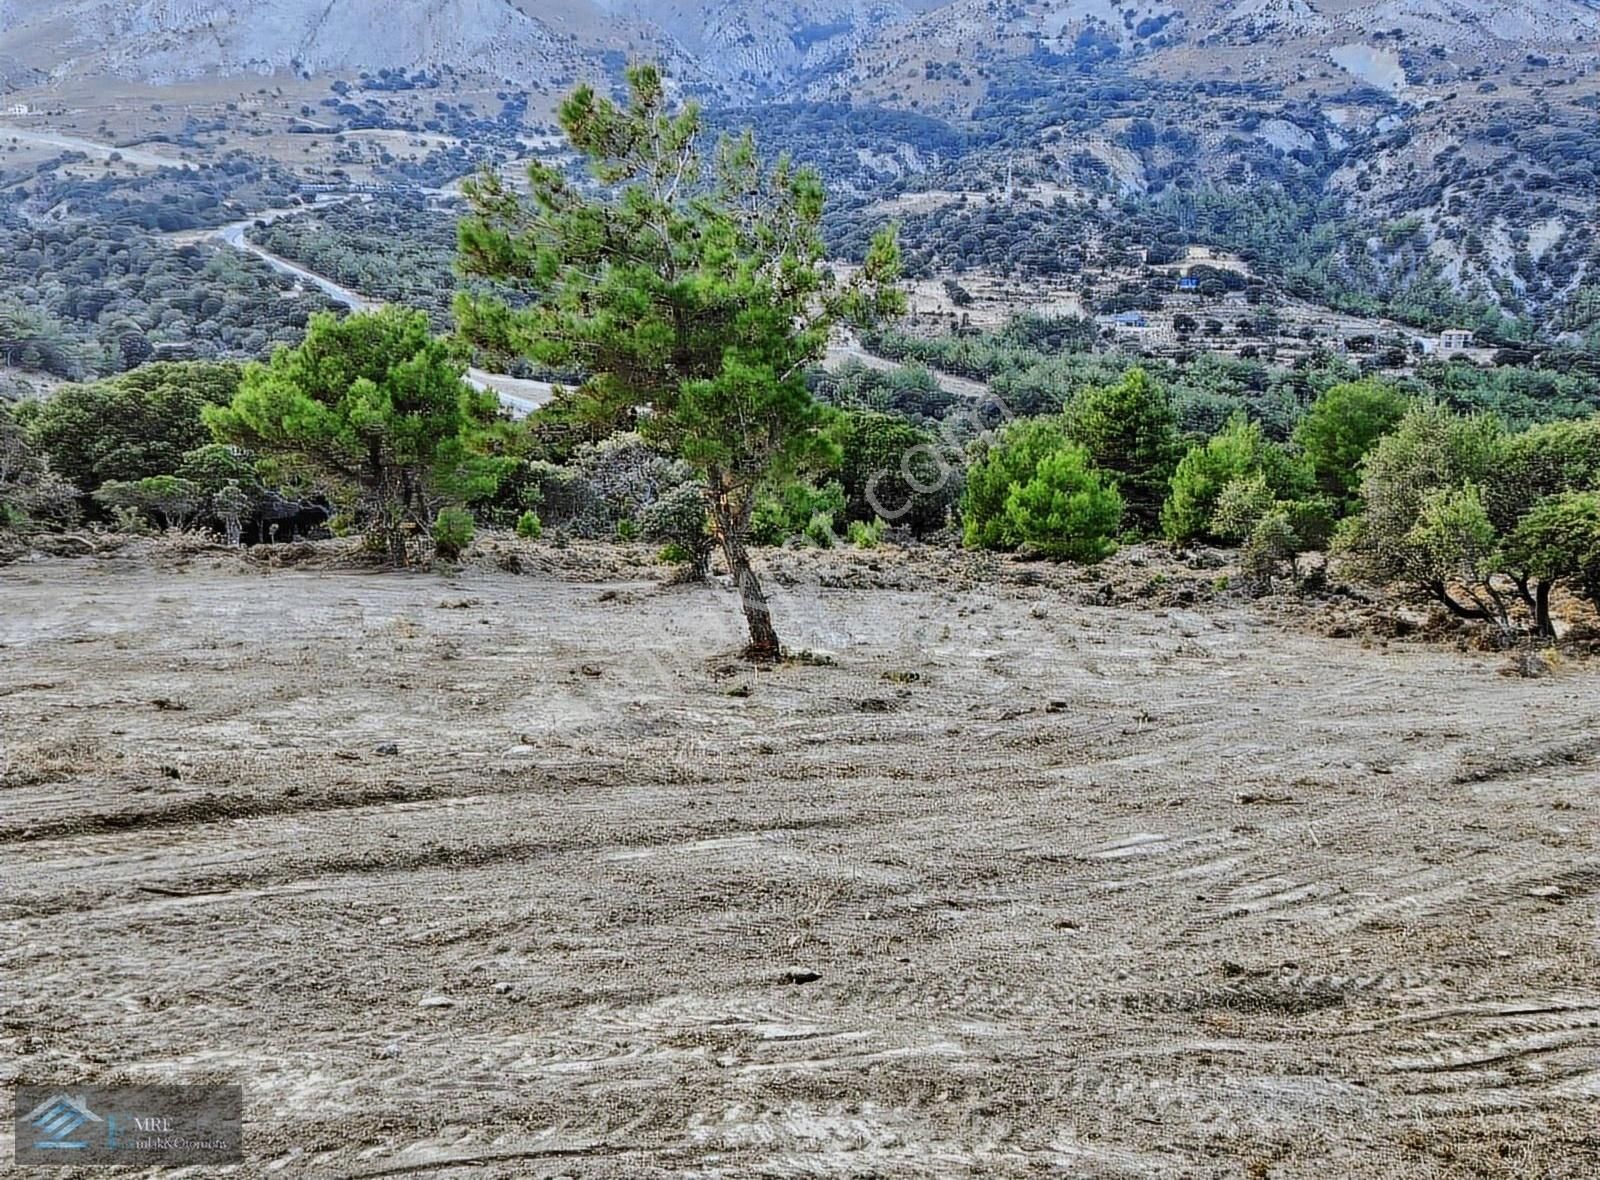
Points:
point(20, 108)
point(1457, 340)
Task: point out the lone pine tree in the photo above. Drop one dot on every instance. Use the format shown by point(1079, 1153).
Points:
point(693, 293)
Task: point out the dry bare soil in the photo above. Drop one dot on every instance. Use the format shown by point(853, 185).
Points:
point(498, 875)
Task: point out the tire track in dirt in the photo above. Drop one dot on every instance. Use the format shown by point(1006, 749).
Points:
point(1006, 918)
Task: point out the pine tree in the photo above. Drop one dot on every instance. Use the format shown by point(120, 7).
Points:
point(1130, 432)
point(695, 292)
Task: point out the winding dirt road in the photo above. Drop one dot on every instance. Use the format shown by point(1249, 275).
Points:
point(518, 395)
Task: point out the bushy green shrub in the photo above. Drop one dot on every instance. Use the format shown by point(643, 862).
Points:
point(893, 471)
point(679, 517)
point(1238, 454)
point(132, 427)
point(799, 509)
point(1243, 502)
point(529, 526)
point(172, 502)
point(31, 493)
point(1066, 509)
point(1339, 430)
point(1559, 539)
point(453, 530)
point(1009, 459)
point(1234, 453)
point(1453, 509)
point(1271, 546)
point(866, 534)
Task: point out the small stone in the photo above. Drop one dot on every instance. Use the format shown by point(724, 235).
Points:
point(388, 749)
point(388, 921)
point(436, 1002)
point(1547, 891)
point(505, 989)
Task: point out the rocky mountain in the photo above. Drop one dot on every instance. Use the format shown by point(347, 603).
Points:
point(1456, 139)
point(922, 51)
point(765, 48)
point(171, 41)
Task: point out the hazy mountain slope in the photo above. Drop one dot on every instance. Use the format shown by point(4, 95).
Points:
point(755, 47)
point(1473, 119)
point(766, 46)
point(1382, 43)
point(164, 41)
point(1469, 125)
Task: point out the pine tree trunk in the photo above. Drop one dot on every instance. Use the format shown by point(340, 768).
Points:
point(730, 519)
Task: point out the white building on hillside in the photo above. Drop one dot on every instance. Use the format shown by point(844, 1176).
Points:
point(1457, 340)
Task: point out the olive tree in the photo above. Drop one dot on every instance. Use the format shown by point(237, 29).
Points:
point(1479, 520)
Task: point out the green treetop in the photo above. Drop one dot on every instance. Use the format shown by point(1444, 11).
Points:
point(372, 403)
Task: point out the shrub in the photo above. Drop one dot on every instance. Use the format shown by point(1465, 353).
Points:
point(171, 501)
point(372, 404)
point(1313, 520)
point(799, 510)
point(1198, 482)
point(129, 521)
point(1011, 458)
point(561, 497)
point(131, 427)
point(679, 518)
point(1241, 505)
point(891, 470)
point(1449, 511)
point(1067, 509)
point(625, 475)
point(529, 526)
point(30, 493)
point(1559, 540)
point(1237, 452)
point(866, 534)
point(453, 530)
point(1272, 545)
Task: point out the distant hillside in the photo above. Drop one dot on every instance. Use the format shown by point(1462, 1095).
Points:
point(1442, 152)
point(168, 41)
point(1462, 137)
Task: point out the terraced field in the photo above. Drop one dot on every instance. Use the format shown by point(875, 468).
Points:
point(505, 875)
